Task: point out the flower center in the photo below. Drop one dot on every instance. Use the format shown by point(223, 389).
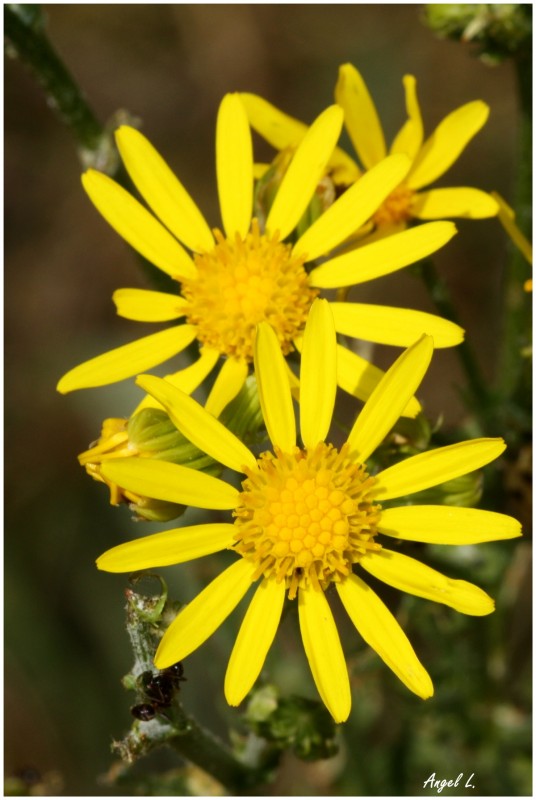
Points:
point(242, 282)
point(306, 517)
point(395, 208)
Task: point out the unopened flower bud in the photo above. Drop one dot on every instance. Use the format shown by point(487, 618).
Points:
point(294, 722)
point(268, 185)
point(151, 434)
point(147, 434)
point(499, 30)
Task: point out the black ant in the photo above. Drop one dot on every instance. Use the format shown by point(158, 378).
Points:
point(159, 689)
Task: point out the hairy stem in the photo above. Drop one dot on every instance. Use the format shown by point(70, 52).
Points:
point(25, 35)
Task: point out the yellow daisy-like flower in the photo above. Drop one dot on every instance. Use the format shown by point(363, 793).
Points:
point(306, 516)
point(430, 159)
point(234, 280)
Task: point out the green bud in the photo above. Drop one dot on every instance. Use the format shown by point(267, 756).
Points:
point(243, 416)
point(464, 491)
point(409, 437)
point(322, 199)
point(267, 187)
point(297, 723)
point(147, 434)
point(499, 30)
point(150, 433)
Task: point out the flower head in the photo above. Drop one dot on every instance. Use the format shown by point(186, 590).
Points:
point(149, 433)
point(235, 279)
point(308, 516)
point(429, 158)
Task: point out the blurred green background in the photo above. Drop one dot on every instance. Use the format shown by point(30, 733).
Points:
point(66, 650)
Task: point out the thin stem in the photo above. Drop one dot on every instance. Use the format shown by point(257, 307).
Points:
point(24, 31)
point(26, 38)
point(202, 748)
point(514, 371)
point(172, 726)
point(481, 399)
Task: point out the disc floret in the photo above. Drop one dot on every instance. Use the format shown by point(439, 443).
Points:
point(305, 517)
point(396, 207)
point(244, 281)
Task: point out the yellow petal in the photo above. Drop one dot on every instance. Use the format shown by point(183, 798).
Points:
point(162, 190)
point(306, 169)
point(162, 480)
point(144, 305)
point(200, 618)
point(353, 208)
point(285, 132)
point(381, 631)
point(360, 116)
point(409, 139)
point(400, 327)
point(227, 385)
point(318, 375)
point(200, 427)
point(234, 165)
point(383, 256)
point(389, 398)
point(171, 547)
point(455, 202)
point(447, 525)
point(507, 220)
point(274, 389)
point(359, 378)
point(279, 129)
point(324, 652)
point(187, 379)
point(447, 143)
point(254, 639)
point(137, 226)
point(411, 576)
point(128, 360)
point(436, 466)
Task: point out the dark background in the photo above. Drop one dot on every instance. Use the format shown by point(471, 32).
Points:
point(66, 648)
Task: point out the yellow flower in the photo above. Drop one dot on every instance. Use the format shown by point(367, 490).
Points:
point(234, 280)
point(429, 159)
point(148, 433)
point(306, 516)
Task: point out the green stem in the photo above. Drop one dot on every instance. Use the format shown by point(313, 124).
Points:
point(24, 31)
point(26, 38)
point(203, 749)
point(480, 399)
point(173, 727)
point(514, 371)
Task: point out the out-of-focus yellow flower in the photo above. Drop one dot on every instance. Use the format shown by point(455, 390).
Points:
point(430, 158)
point(234, 280)
point(306, 516)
